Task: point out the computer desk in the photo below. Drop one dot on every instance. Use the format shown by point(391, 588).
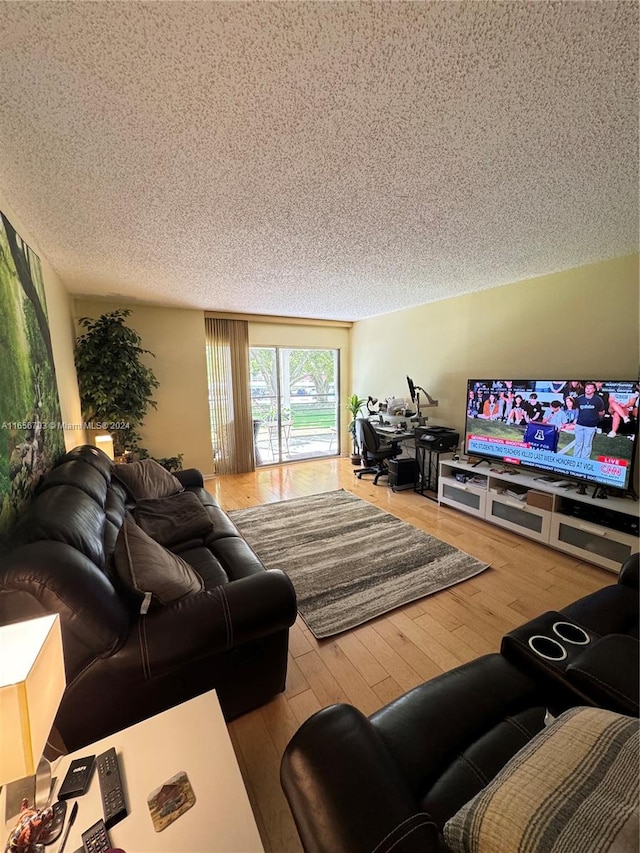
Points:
point(391, 433)
point(427, 458)
point(404, 437)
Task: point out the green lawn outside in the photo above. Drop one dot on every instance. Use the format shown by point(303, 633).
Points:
point(320, 415)
point(306, 416)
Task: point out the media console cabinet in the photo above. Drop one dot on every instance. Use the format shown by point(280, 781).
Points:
point(549, 510)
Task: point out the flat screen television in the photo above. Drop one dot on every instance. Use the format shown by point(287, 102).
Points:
point(583, 429)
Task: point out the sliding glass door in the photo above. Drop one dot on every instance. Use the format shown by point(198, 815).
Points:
point(294, 403)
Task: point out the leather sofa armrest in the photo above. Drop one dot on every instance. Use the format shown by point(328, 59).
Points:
point(346, 792)
point(630, 571)
point(217, 620)
point(607, 672)
point(260, 604)
point(53, 577)
point(190, 477)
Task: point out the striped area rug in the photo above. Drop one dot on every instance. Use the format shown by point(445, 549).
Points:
point(348, 560)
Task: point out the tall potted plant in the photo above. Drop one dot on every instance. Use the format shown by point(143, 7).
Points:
point(116, 387)
point(355, 405)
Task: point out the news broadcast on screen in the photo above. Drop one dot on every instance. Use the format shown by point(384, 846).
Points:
point(584, 429)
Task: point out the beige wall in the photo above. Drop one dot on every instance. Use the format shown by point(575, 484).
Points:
point(176, 336)
point(583, 321)
point(62, 333)
point(180, 424)
point(314, 337)
point(573, 324)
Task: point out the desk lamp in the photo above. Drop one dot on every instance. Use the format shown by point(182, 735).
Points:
point(32, 681)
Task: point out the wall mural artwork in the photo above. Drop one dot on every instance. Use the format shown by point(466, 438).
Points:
point(31, 435)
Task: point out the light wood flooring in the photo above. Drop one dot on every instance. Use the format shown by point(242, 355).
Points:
point(376, 662)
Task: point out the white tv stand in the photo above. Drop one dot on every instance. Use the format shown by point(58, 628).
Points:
point(595, 530)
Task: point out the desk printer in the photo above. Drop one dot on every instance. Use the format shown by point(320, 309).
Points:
point(437, 438)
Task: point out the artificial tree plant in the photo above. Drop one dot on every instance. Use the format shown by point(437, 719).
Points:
point(355, 405)
point(116, 387)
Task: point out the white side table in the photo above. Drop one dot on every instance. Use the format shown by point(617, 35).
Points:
point(192, 737)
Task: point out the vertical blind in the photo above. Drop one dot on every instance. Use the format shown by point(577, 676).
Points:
point(230, 404)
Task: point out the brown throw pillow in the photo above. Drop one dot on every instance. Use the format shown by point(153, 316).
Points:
point(173, 520)
point(150, 570)
point(147, 479)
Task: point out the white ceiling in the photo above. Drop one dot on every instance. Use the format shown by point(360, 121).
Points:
point(320, 159)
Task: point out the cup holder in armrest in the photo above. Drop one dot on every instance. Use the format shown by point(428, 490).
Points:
point(547, 644)
point(547, 648)
point(571, 633)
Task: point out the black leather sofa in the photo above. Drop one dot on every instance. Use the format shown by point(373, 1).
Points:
point(391, 781)
point(121, 666)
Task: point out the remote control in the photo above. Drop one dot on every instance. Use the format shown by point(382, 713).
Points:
point(77, 779)
point(113, 804)
point(96, 839)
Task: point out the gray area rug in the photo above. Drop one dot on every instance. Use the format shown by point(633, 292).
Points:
point(348, 560)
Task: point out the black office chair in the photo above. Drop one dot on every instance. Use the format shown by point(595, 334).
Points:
point(374, 452)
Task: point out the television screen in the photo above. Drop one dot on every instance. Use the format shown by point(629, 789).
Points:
point(585, 429)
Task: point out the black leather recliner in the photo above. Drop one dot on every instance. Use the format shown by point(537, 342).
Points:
point(374, 453)
point(391, 781)
point(589, 650)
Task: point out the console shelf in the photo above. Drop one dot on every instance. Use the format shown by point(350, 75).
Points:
point(604, 532)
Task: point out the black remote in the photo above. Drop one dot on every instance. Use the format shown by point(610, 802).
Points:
point(96, 839)
point(113, 804)
point(77, 779)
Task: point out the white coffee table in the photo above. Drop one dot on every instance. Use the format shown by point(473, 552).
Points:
point(192, 737)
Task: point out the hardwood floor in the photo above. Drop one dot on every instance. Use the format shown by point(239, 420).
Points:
point(376, 662)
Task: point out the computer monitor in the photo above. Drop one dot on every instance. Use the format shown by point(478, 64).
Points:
point(412, 389)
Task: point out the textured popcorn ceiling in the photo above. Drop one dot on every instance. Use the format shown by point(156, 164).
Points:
point(320, 159)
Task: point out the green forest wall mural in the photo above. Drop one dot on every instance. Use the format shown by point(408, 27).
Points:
point(31, 434)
